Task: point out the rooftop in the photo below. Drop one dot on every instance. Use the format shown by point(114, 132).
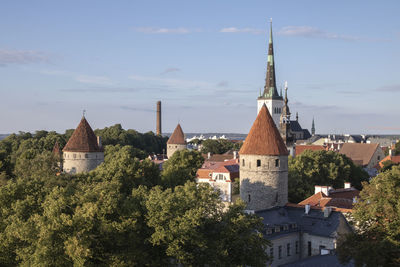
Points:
point(82, 139)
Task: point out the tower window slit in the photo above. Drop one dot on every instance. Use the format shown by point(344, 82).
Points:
point(277, 163)
point(258, 163)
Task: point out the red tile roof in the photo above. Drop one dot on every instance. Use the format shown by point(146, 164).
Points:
point(82, 139)
point(177, 137)
point(394, 159)
point(360, 153)
point(339, 198)
point(263, 138)
point(301, 148)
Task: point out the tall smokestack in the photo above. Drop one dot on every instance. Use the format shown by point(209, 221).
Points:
point(158, 129)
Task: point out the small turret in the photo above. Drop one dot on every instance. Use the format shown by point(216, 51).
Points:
point(176, 141)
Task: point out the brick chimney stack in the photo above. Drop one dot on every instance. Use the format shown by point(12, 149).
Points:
point(158, 127)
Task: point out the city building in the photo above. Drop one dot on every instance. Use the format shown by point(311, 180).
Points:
point(83, 151)
point(296, 232)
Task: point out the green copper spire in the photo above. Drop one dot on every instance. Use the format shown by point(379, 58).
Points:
point(270, 90)
point(313, 127)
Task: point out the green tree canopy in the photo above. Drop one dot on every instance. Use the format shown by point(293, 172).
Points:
point(376, 241)
point(218, 146)
point(181, 167)
point(328, 168)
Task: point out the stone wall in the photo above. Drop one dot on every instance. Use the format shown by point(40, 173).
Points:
point(171, 148)
point(78, 162)
point(264, 186)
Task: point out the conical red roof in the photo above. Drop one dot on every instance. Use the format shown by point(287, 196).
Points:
point(177, 137)
point(83, 139)
point(264, 137)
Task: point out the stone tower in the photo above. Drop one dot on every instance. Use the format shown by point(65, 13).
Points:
point(270, 96)
point(176, 141)
point(84, 151)
point(263, 165)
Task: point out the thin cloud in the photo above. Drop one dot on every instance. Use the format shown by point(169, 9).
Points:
point(154, 30)
point(8, 57)
point(313, 32)
point(394, 88)
point(101, 80)
point(105, 90)
point(169, 70)
point(242, 30)
point(223, 84)
point(129, 108)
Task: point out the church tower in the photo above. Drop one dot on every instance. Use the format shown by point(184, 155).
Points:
point(176, 141)
point(263, 165)
point(313, 127)
point(84, 151)
point(284, 123)
point(270, 96)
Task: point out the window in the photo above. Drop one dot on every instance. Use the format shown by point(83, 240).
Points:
point(74, 156)
point(249, 198)
point(288, 249)
point(297, 247)
point(379, 157)
point(86, 156)
point(243, 163)
point(280, 252)
point(258, 163)
point(286, 227)
point(271, 252)
point(321, 248)
point(250, 165)
point(309, 248)
point(277, 163)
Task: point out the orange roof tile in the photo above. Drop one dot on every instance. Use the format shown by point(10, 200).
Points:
point(177, 137)
point(264, 137)
point(82, 139)
point(394, 159)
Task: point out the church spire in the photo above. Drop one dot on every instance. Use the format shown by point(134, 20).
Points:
point(270, 90)
point(313, 127)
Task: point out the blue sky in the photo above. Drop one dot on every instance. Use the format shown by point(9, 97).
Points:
point(205, 60)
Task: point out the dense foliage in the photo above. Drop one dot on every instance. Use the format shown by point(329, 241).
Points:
point(376, 241)
point(17, 150)
point(326, 168)
point(219, 146)
point(124, 213)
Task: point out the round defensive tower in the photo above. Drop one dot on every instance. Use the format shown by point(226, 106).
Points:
point(84, 151)
point(176, 141)
point(263, 165)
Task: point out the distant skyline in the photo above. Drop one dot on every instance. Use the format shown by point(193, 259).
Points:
point(205, 60)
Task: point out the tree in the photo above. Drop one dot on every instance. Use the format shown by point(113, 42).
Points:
point(181, 167)
point(387, 165)
point(376, 241)
point(219, 146)
point(321, 168)
point(189, 223)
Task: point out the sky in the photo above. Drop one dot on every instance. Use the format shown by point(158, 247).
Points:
point(205, 60)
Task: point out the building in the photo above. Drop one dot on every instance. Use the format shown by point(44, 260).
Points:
point(270, 96)
point(220, 175)
point(176, 141)
point(263, 165)
point(365, 155)
point(83, 151)
point(296, 232)
point(342, 199)
point(278, 106)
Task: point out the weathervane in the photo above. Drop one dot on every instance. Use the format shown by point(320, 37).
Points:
point(84, 112)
